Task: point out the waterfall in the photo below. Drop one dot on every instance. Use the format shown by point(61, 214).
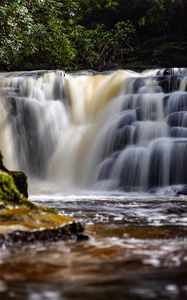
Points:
point(119, 130)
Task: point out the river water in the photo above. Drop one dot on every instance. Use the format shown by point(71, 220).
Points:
point(137, 250)
point(122, 131)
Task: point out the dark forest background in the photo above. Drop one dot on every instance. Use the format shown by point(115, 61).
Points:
point(83, 34)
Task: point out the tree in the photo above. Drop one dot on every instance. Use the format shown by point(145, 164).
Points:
point(74, 34)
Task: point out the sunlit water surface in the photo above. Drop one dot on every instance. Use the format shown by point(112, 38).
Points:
point(137, 250)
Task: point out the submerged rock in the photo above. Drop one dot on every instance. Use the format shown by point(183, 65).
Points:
point(182, 191)
point(72, 231)
point(21, 221)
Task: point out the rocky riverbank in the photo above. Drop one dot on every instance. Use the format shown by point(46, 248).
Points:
point(22, 222)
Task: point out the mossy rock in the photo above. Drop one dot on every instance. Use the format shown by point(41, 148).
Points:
point(23, 222)
point(71, 231)
point(20, 179)
point(9, 194)
point(2, 167)
point(15, 209)
point(30, 219)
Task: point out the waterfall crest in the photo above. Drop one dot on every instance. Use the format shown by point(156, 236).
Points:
point(120, 130)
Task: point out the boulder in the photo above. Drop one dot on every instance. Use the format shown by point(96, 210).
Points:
point(182, 191)
point(21, 221)
point(19, 178)
point(71, 231)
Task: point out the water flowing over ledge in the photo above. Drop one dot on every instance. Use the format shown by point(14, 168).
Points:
point(119, 130)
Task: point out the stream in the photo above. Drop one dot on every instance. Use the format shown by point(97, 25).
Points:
point(137, 250)
point(122, 131)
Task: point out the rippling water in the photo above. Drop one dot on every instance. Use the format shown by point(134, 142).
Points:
point(137, 250)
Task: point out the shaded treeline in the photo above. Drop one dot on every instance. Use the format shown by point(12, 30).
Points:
point(81, 34)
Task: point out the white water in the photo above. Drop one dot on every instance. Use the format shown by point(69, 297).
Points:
point(105, 131)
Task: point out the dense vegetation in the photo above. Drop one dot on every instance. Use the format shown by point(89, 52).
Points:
point(80, 34)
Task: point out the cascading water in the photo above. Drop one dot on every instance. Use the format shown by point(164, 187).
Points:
point(122, 130)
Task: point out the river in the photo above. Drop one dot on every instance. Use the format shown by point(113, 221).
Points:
point(137, 250)
point(109, 150)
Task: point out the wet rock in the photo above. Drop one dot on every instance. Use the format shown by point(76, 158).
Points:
point(167, 166)
point(105, 169)
point(127, 118)
point(2, 167)
point(9, 194)
point(176, 102)
point(13, 217)
point(19, 178)
point(138, 83)
point(182, 191)
point(122, 138)
point(23, 222)
point(178, 132)
point(133, 161)
point(72, 231)
point(177, 119)
point(169, 83)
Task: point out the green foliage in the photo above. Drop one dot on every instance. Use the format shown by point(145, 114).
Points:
point(74, 34)
point(34, 31)
point(156, 9)
point(99, 46)
point(15, 23)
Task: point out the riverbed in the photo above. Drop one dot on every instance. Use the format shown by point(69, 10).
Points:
point(137, 250)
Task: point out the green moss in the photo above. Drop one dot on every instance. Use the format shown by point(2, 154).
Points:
point(9, 193)
point(17, 210)
point(31, 219)
point(20, 180)
point(2, 167)
point(11, 196)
